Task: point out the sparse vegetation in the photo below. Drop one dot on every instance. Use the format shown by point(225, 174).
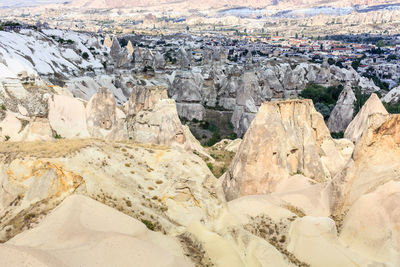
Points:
point(3, 107)
point(148, 224)
point(338, 135)
point(210, 166)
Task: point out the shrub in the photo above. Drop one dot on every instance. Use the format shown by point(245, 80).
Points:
point(149, 224)
point(210, 166)
point(3, 107)
point(85, 55)
point(338, 135)
point(57, 136)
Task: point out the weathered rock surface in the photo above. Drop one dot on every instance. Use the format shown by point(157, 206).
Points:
point(286, 138)
point(82, 231)
point(375, 161)
point(371, 225)
point(153, 118)
point(342, 113)
point(314, 240)
point(166, 187)
point(360, 122)
point(393, 96)
point(67, 116)
point(101, 117)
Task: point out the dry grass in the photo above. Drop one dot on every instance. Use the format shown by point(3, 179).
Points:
point(43, 149)
point(60, 148)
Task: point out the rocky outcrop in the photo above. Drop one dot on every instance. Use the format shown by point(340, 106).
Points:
point(285, 138)
point(153, 118)
point(342, 113)
point(393, 96)
point(130, 48)
point(360, 122)
point(67, 116)
point(177, 185)
point(101, 117)
point(375, 161)
point(184, 58)
point(159, 61)
point(107, 41)
point(187, 93)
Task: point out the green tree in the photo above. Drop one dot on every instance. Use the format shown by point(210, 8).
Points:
point(356, 63)
point(331, 61)
point(85, 55)
point(380, 43)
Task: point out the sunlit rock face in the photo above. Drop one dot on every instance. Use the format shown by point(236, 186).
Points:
point(285, 138)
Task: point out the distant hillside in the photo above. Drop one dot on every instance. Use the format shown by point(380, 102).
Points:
point(194, 4)
point(25, 3)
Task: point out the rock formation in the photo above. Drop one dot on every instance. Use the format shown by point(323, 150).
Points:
point(285, 138)
point(359, 124)
point(370, 226)
point(101, 117)
point(184, 59)
point(130, 48)
point(153, 118)
point(159, 61)
point(375, 161)
point(99, 229)
point(342, 114)
point(393, 96)
point(67, 116)
point(107, 41)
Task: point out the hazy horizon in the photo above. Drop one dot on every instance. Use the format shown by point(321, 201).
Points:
point(21, 3)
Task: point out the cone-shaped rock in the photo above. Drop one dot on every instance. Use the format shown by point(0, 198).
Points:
point(360, 123)
point(107, 41)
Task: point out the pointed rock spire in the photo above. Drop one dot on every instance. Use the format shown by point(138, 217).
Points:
point(357, 126)
point(129, 46)
point(107, 41)
point(116, 47)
